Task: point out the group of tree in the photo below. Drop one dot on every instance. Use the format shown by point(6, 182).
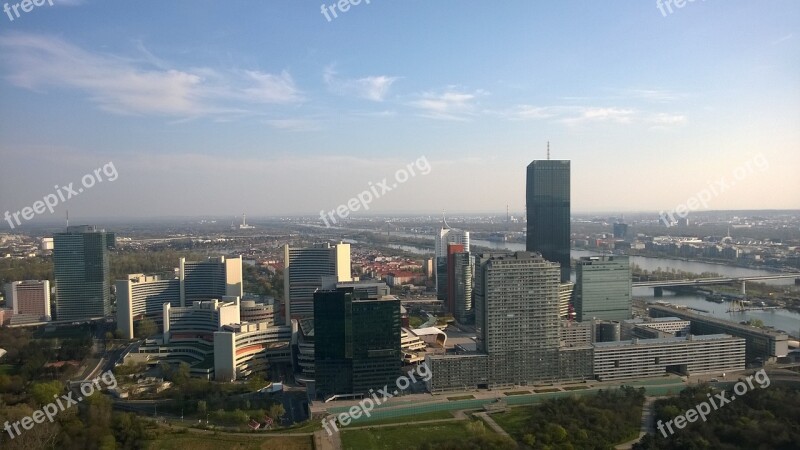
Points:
point(759, 419)
point(597, 421)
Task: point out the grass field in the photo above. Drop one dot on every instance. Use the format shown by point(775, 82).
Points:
point(542, 391)
point(513, 419)
point(461, 397)
point(517, 393)
point(575, 388)
point(403, 437)
point(214, 442)
point(435, 415)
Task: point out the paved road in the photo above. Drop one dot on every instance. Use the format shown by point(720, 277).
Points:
point(647, 425)
point(492, 424)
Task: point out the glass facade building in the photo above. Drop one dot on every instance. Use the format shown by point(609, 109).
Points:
point(81, 271)
point(548, 208)
point(603, 288)
point(356, 342)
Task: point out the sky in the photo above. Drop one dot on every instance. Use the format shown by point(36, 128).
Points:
point(271, 108)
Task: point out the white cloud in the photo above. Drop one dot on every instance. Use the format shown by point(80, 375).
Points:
point(450, 104)
point(374, 88)
point(129, 86)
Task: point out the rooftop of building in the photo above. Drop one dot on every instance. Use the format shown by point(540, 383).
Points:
point(670, 340)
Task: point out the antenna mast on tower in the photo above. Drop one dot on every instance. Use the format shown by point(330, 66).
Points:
point(548, 150)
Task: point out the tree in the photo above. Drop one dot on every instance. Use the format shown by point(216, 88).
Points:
point(276, 411)
point(43, 393)
point(146, 328)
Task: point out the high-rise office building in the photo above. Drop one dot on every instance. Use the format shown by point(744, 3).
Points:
point(356, 342)
point(211, 279)
point(450, 298)
point(304, 270)
point(30, 299)
point(603, 288)
point(445, 237)
point(80, 267)
point(620, 230)
point(516, 316)
point(142, 296)
point(548, 204)
point(461, 266)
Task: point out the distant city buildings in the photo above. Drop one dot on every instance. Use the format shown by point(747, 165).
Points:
point(603, 288)
point(356, 342)
point(304, 270)
point(81, 271)
point(548, 204)
point(620, 230)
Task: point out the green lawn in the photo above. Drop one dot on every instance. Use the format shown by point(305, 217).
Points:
point(513, 419)
point(214, 442)
point(542, 391)
point(575, 388)
point(403, 437)
point(518, 392)
point(435, 415)
point(461, 397)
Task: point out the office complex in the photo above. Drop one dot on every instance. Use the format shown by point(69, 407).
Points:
point(80, 268)
point(603, 288)
point(761, 344)
point(29, 300)
point(142, 296)
point(654, 327)
point(687, 355)
point(304, 270)
point(516, 316)
point(548, 206)
point(445, 237)
point(356, 342)
point(213, 278)
point(223, 339)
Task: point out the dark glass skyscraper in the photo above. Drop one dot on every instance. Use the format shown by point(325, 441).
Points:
point(356, 342)
point(547, 202)
point(80, 268)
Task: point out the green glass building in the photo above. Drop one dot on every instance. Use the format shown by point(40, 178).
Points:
point(356, 342)
point(603, 288)
point(80, 268)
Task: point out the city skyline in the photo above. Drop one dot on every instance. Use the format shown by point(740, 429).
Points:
point(272, 98)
